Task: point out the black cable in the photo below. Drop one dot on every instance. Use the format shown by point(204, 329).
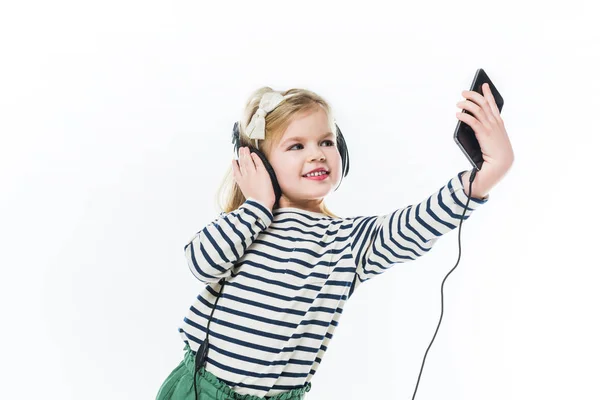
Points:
point(471, 178)
point(200, 358)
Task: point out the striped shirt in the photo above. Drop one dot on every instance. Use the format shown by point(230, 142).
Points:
point(289, 274)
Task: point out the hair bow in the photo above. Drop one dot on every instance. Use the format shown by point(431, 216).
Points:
point(268, 102)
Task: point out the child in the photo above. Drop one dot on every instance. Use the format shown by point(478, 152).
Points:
point(283, 268)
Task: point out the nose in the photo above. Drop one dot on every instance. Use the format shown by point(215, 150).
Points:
point(318, 154)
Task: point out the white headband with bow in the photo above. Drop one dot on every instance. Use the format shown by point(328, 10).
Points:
point(256, 127)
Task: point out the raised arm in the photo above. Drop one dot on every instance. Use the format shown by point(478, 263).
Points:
point(378, 242)
point(212, 252)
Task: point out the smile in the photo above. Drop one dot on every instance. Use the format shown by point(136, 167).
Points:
point(319, 176)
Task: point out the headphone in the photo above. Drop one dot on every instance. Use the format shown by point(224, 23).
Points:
point(341, 146)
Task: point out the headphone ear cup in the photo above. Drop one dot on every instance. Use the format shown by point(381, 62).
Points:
point(235, 139)
point(343, 150)
point(271, 171)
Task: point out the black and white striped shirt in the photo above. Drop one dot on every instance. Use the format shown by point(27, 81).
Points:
point(289, 274)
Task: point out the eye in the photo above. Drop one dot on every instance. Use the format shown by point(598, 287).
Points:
point(324, 141)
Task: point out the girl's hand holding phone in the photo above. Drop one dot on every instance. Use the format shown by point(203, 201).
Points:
point(497, 152)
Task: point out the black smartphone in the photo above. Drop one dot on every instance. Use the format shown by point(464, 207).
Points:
point(463, 134)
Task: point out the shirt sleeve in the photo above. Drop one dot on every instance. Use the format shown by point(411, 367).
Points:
point(212, 252)
point(378, 242)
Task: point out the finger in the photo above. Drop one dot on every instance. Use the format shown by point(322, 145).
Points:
point(482, 102)
point(487, 91)
point(471, 121)
point(236, 170)
point(475, 110)
point(257, 161)
point(474, 97)
point(246, 162)
point(241, 160)
point(244, 165)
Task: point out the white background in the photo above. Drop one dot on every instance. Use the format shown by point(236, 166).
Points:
point(115, 123)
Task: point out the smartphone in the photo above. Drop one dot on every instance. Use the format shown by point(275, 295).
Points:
point(463, 134)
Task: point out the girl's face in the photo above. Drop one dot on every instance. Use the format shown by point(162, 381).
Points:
point(307, 144)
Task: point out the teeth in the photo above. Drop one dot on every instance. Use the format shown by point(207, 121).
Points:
point(317, 173)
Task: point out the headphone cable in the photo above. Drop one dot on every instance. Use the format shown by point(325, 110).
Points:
point(471, 178)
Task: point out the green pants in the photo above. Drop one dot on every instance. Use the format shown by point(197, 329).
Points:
point(179, 385)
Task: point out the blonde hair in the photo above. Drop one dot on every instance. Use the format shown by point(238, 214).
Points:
point(229, 195)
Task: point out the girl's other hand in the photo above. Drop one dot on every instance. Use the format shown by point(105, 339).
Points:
point(252, 177)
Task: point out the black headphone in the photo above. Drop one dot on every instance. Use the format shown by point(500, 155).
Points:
point(341, 146)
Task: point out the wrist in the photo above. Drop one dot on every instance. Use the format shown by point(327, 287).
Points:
point(266, 204)
point(475, 191)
